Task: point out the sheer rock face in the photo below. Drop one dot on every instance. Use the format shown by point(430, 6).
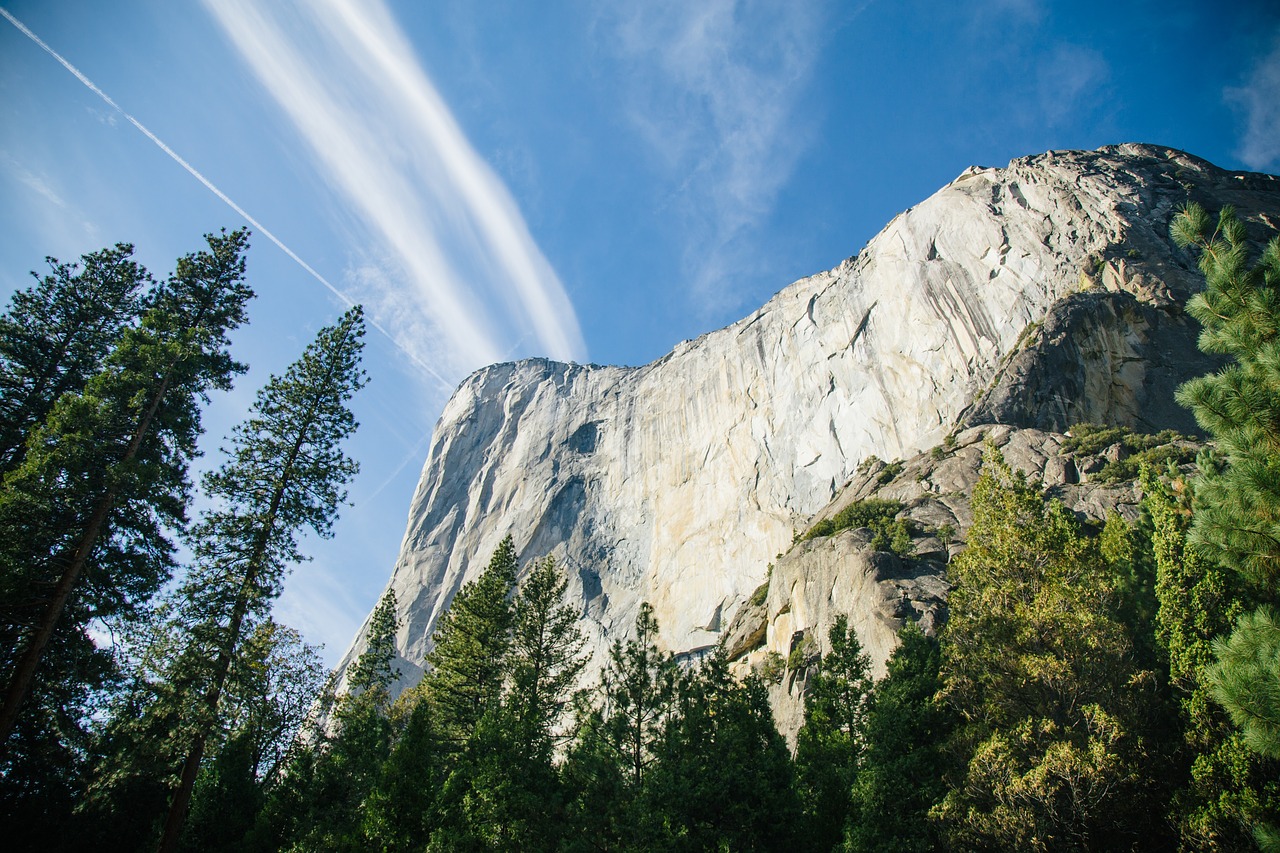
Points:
point(1038, 294)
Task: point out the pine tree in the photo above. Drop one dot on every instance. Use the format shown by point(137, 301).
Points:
point(286, 472)
point(57, 334)
point(722, 778)
point(401, 810)
point(901, 774)
point(1225, 789)
point(1237, 496)
point(82, 518)
point(268, 698)
point(504, 788)
point(614, 747)
point(546, 659)
point(349, 764)
point(829, 745)
point(469, 661)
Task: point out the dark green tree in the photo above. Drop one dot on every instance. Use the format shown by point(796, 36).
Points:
point(615, 744)
point(1237, 497)
point(401, 810)
point(1225, 789)
point(56, 335)
point(829, 745)
point(286, 472)
point(546, 659)
point(82, 519)
point(343, 771)
point(504, 791)
point(272, 689)
point(723, 778)
point(901, 776)
point(469, 661)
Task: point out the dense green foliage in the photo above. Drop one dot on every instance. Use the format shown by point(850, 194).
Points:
point(1236, 518)
point(1157, 451)
point(888, 532)
point(1042, 676)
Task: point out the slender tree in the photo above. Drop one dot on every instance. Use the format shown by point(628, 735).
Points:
point(345, 768)
point(616, 741)
point(286, 472)
point(56, 335)
point(546, 659)
point(901, 774)
point(472, 644)
point(503, 791)
point(829, 745)
point(106, 471)
point(723, 778)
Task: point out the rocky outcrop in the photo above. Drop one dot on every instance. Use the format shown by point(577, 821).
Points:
point(844, 574)
point(1012, 294)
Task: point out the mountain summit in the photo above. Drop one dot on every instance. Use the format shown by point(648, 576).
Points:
point(1043, 294)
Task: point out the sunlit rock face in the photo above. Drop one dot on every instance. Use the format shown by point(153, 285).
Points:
point(1041, 294)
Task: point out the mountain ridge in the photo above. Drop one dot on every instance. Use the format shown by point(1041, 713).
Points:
point(1011, 294)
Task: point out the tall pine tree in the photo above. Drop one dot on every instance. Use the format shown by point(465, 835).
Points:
point(286, 472)
point(82, 518)
point(829, 745)
point(472, 642)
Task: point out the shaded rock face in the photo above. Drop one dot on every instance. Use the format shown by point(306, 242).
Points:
point(678, 481)
point(843, 575)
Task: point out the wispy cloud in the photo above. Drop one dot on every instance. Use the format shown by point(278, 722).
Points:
point(36, 183)
point(458, 277)
point(1259, 97)
point(714, 93)
point(195, 173)
point(1069, 81)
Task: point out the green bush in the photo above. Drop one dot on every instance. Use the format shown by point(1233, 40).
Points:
point(889, 533)
point(1158, 450)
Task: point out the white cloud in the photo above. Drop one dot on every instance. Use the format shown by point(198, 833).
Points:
point(713, 94)
point(464, 276)
point(1260, 100)
point(1070, 80)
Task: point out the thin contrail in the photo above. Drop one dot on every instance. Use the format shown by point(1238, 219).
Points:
point(258, 226)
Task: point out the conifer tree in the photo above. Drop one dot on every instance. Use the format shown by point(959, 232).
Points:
point(349, 764)
point(1041, 675)
point(82, 518)
point(1237, 496)
point(722, 778)
point(401, 810)
point(614, 746)
point(503, 790)
point(901, 774)
point(469, 661)
point(271, 692)
point(546, 659)
point(55, 336)
point(829, 745)
point(1225, 789)
point(286, 472)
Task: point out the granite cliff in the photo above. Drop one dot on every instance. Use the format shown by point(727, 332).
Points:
point(1039, 295)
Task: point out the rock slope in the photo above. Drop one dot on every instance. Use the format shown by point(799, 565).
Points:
point(844, 574)
point(1040, 294)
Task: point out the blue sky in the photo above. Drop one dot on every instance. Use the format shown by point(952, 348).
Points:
point(594, 181)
